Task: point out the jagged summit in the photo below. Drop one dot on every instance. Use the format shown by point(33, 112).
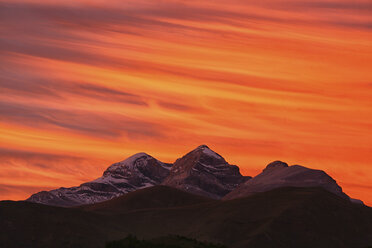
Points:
point(274, 165)
point(134, 157)
point(129, 162)
point(136, 172)
point(208, 152)
point(204, 172)
point(138, 162)
point(203, 147)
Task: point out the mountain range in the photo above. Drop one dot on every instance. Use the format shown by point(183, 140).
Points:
point(200, 196)
point(201, 171)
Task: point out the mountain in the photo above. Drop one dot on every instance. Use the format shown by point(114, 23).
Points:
point(278, 174)
point(136, 172)
point(201, 171)
point(204, 172)
point(159, 196)
point(284, 217)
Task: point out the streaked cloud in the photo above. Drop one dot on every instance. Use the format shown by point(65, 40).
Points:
point(87, 83)
point(77, 121)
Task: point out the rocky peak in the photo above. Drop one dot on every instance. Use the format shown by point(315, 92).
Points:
point(136, 172)
point(202, 147)
point(274, 165)
point(203, 155)
point(207, 152)
point(203, 171)
point(137, 163)
point(133, 162)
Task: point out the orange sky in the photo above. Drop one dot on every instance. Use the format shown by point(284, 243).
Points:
point(84, 84)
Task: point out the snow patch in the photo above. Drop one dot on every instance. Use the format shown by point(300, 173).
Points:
point(211, 153)
point(134, 157)
point(165, 166)
point(208, 166)
point(109, 179)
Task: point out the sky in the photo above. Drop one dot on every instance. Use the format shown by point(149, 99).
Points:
point(84, 84)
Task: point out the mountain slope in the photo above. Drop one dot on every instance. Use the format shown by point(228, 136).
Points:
point(278, 174)
point(204, 172)
point(171, 241)
point(159, 196)
point(285, 217)
point(136, 172)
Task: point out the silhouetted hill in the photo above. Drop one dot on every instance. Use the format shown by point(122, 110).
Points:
point(33, 225)
point(159, 196)
point(285, 217)
point(171, 241)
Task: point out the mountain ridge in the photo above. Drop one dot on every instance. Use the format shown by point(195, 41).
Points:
point(142, 170)
point(201, 171)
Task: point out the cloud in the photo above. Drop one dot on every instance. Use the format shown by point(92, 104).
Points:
point(75, 54)
point(6, 154)
point(30, 85)
point(18, 163)
point(174, 106)
point(20, 189)
point(59, 21)
point(85, 122)
point(338, 5)
point(262, 79)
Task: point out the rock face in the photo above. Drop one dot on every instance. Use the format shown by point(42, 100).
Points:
point(204, 172)
point(137, 172)
point(278, 174)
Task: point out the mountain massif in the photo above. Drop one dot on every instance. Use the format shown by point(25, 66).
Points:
point(200, 196)
point(201, 171)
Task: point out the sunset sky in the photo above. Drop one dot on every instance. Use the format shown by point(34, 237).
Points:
point(84, 84)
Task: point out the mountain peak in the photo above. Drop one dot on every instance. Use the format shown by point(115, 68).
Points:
point(131, 161)
point(136, 172)
point(204, 172)
point(207, 152)
point(278, 175)
point(138, 155)
point(202, 147)
point(274, 165)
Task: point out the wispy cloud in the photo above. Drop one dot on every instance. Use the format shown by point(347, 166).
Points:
point(77, 121)
point(82, 81)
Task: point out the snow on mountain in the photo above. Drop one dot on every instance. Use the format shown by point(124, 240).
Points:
point(201, 171)
point(204, 172)
point(278, 174)
point(136, 172)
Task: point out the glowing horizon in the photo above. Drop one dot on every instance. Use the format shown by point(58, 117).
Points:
point(84, 84)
